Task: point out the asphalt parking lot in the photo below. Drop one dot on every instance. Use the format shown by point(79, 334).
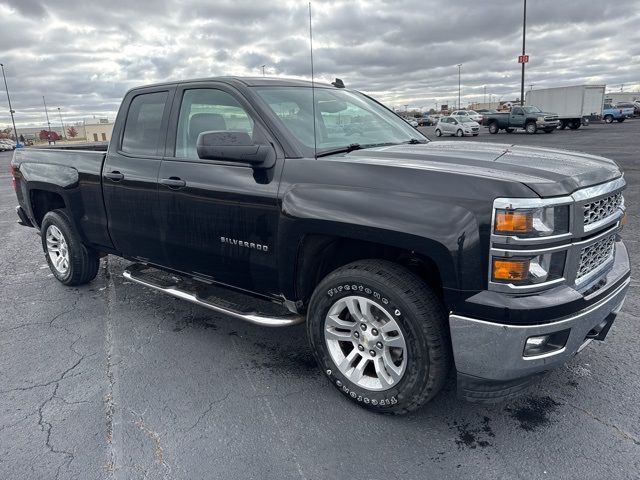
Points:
point(112, 380)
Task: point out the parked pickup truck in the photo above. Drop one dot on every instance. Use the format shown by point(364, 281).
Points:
point(405, 257)
point(529, 118)
point(611, 113)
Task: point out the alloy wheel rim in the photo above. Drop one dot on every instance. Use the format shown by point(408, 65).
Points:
point(57, 249)
point(365, 343)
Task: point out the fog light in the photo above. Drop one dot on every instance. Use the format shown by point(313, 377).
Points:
point(543, 344)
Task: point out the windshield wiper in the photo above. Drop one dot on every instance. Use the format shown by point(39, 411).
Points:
point(414, 141)
point(333, 151)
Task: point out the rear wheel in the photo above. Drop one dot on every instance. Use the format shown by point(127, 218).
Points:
point(459, 133)
point(574, 124)
point(69, 260)
point(586, 121)
point(438, 132)
point(620, 120)
point(493, 128)
point(549, 130)
point(608, 118)
point(562, 125)
point(378, 332)
point(531, 128)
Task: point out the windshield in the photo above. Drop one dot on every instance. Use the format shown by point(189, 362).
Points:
point(531, 109)
point(465, 120)
point(343, 118)
point(473, 112)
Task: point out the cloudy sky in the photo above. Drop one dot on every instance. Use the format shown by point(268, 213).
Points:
point(84, 55)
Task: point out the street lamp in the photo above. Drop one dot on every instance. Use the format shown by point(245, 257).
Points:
point(524, 31)
point(11, 111)
point(459, 69)
point(64, 134)
point(46, 112)
point(263, 69)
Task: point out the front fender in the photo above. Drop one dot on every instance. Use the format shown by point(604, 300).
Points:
point(447, 234)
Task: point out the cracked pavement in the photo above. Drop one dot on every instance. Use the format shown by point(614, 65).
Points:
point(115, 381)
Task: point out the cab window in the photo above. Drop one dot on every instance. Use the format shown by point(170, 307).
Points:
point(142, 127)
point(205, 110)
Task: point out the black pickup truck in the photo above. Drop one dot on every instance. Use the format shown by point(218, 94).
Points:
point(405, 257)
point(527, 117)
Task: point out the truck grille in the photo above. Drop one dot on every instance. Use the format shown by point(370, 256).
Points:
point(601, 209)
point(595, 255)
point(549, 118)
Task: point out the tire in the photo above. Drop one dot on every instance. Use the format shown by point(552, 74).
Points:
point(475, 134)
point(509, 130)
point(394, 294)
point(585, 121)
point(620, 120)
point(493, 128)
point(574, 124)
point(561, 125)
point(459, 133)
point(438, 132)
point(58, 233)
point(531, 128)
point(549, 130)
point(608, 119)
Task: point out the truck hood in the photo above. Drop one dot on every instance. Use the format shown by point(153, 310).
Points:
point(548, 172)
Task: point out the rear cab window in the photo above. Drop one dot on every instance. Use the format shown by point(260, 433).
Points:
point(143, 125)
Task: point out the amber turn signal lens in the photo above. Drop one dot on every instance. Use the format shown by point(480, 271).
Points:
point(510, 221)
point(511, 270)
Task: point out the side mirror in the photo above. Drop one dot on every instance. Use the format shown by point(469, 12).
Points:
point(234, 146)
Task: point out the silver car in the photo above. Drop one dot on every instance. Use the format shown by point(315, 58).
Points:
point(472, 114)
point(458, 126)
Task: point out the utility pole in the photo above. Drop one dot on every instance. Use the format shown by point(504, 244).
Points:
point(11, 111)
point(524, 34)
point(484, 98)
point(459, 69)
point(64, 134)
point(48, 122)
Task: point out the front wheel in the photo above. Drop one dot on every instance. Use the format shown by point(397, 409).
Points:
point(438, 132)
point(459, 133)
point(493, 128)
point(378, 332)
point(531, 128)
point(608, 119)
point(69, 260)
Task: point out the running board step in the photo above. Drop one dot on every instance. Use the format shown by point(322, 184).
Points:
point(211, 297)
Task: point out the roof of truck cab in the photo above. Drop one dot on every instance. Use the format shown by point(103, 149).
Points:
point(244, 81)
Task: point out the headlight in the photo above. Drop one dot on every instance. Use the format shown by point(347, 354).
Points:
point(541, 119)
point(528, 270)
point(531, 222)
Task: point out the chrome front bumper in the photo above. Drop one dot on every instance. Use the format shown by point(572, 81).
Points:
point(495, 351)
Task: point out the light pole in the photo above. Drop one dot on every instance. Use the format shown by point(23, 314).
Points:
point(484, 98)
point(64, 134)
point(459, 69)
point(263, 69)
point(11, 111)
point(524, 34)
point(46, 112)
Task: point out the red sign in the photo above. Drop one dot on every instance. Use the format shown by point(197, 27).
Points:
point(523, 58)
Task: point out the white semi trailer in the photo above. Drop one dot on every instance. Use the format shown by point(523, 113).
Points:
point(576, 105)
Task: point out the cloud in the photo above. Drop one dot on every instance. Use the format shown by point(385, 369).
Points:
point(84, 55)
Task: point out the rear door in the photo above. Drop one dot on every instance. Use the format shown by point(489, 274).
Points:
point(130, 173)
point(219, 219)
point(516, 117)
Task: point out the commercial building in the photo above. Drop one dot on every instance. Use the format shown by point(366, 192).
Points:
point(98, 130)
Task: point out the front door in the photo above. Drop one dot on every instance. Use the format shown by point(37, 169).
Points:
point(219, 219)
point(130, 175)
